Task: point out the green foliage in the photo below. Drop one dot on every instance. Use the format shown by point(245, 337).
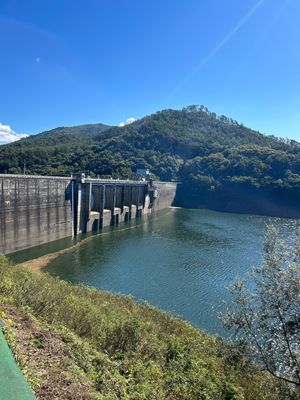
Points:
point(265, 320)
point(162, 142)
point(193, 145)
point(130, 350)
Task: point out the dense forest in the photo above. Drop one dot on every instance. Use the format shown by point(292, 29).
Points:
point(221, 163)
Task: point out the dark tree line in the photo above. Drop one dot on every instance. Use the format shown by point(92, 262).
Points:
point(209, 153)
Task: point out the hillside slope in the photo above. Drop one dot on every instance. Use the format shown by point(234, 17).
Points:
point(209, 153)
point(105, 346)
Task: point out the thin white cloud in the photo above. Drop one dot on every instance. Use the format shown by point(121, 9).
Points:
point(38, 60)
point(7, 135)
point(127, 122)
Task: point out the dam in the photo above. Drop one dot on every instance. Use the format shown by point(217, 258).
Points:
point(39, 209)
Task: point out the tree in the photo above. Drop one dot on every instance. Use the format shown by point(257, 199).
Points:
point(266, 320)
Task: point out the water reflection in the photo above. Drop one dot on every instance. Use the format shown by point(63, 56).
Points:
point(180, 260)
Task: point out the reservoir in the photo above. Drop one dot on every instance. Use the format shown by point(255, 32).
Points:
point(179, 260)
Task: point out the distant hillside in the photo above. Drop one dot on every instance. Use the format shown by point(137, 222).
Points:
point(211, 154)
point(64, 134)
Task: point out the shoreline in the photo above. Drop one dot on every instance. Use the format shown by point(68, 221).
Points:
point(39, 263)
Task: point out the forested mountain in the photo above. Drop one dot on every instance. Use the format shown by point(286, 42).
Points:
point(214, 156)
point(63, 134)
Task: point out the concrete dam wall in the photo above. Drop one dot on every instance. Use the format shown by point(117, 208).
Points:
point(39, 209)
point(33, 210)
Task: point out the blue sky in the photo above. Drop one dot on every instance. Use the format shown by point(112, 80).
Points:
point(69, 62)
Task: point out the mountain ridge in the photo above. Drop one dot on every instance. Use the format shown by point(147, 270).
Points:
point(92, 129)
point(77, 130)
point(213, 155)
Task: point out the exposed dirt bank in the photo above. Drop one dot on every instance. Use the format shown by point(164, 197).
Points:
point(38, 264)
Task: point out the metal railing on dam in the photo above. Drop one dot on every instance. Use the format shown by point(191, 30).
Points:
point(39, 209)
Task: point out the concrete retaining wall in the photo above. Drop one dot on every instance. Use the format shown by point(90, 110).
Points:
point(38, 209)
point(165, 196)
point(33, 210)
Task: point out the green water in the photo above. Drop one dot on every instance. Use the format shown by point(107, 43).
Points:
point(179, 260)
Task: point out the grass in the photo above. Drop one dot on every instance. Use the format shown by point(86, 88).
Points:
point(113, 347)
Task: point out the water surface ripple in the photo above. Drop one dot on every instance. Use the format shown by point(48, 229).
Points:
point(179, 260)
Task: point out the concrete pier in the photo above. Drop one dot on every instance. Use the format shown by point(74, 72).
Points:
point(40, 209)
